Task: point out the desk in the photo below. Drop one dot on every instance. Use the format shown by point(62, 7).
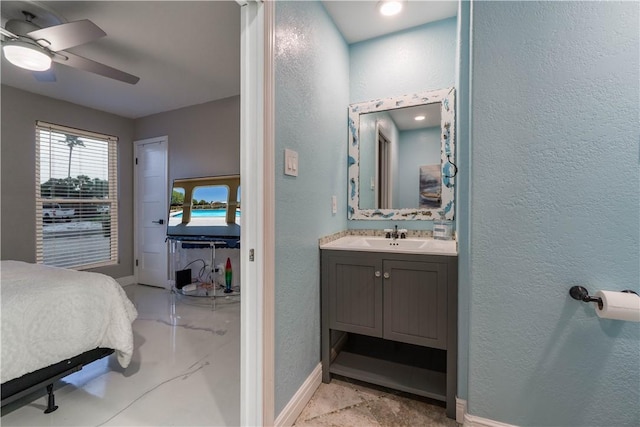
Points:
point(205, 257)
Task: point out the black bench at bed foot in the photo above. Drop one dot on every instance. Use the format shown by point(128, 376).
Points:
point(51, 402)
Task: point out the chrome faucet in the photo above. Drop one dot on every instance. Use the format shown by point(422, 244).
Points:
point(394, 235)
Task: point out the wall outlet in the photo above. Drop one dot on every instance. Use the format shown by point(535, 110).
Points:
point(334, 204)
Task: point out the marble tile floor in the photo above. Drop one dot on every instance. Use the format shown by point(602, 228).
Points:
point(185, 371)
point(345, 402)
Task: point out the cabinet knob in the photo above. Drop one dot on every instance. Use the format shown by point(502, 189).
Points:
point(386, 275)
point(377, 274)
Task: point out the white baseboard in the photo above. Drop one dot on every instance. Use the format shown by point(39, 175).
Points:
point(294, 408)
point(126, 280)
point(468, 420)
point(461, 409)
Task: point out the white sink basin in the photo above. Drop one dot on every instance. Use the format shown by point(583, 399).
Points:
point(376, 242)
point(381, 244)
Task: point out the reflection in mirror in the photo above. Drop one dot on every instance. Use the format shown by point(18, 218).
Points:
point(399, 150)
point(400, 157)
point(205, 207)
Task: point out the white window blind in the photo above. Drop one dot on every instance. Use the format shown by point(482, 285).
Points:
point(76, 197)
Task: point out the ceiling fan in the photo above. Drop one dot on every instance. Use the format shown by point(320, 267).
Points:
point(34, 48)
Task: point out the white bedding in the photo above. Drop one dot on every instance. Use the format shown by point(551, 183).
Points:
point(51, 314)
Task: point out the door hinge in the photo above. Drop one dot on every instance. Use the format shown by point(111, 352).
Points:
point(136, 160)
point(251, 255)
point(136, 263)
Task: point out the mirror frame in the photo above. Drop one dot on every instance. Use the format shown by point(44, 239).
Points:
point(446, 98)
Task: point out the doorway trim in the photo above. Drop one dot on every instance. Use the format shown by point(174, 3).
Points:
point(257, 171)
point(268, 231)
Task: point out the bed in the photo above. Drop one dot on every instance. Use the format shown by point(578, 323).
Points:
point(54, 321)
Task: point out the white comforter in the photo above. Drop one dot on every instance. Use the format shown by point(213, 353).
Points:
point(51, 314)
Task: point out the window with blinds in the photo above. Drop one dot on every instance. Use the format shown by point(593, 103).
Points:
point(76, 197)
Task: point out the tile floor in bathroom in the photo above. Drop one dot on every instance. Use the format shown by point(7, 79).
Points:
point(185, 372)
point(345, 402)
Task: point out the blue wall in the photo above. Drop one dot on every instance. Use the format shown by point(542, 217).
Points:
point(415, 60)
point(554, 203)
point(312, 72)
point(416, 148)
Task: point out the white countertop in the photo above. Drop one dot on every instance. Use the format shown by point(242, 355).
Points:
point(425, 246)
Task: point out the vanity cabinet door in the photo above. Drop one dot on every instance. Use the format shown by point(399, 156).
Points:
point(415, 302)
point(355, 293)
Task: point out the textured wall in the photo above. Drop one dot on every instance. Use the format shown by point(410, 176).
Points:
point(312, 69)
point(415, 60)
point(204, 139)
point(554, 203)
point(20, 111)
point(402, 63)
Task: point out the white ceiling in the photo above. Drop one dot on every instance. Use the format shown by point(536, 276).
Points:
point(185, 52)
point(404, 118)
point(360, 20)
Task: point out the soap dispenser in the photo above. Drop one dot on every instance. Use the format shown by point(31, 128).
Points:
point(442, 229)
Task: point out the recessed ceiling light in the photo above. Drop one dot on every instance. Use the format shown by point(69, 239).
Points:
point(418, 118)
point(390, 7)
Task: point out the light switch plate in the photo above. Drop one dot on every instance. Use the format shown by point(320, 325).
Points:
point(290, 162)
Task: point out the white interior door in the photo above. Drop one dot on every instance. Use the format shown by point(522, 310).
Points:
point(150, 211)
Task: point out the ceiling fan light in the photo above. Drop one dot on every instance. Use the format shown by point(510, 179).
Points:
point(26, 56)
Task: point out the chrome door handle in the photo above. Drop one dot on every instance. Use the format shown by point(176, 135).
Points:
point(377, 274)
point(386, 275)
point(160, 221)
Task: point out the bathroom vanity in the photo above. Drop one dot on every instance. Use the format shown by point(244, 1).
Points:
point(389, 304)
point(389, 314)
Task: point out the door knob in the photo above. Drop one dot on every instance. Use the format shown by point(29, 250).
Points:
point(386, 275)
point(160, 221)
point(377, 274)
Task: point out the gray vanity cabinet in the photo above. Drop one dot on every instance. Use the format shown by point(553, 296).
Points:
point(415, 302)
point(355, 302)
point(405, 300)
point(411, 297)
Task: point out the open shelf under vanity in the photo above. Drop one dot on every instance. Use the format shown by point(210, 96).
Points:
point(405, 367)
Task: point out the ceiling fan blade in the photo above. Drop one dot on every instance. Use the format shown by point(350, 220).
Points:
point(85, 64)
point(47, 76)
point(7, 33)
point(65, 36)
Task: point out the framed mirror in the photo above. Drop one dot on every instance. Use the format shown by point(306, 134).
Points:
point(401, 162)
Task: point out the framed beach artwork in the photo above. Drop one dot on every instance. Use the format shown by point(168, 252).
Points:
point(430, 196)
